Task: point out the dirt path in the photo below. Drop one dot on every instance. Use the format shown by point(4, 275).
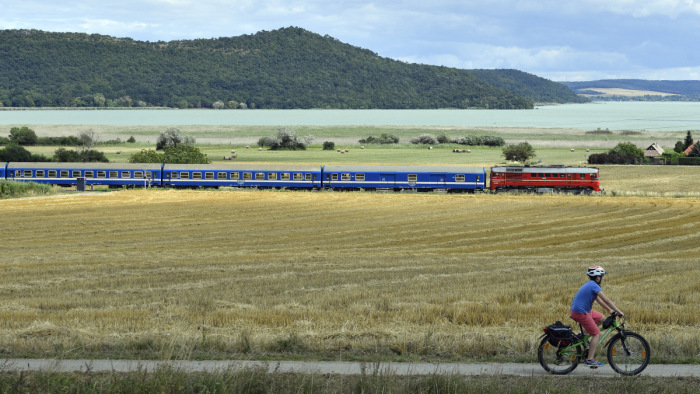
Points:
point(327, 367)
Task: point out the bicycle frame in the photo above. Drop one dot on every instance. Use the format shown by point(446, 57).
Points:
point(571, 349)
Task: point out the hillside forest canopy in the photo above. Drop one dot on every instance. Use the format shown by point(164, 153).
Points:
point(287, 68)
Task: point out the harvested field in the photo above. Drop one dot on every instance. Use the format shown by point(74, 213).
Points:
point(205, 274)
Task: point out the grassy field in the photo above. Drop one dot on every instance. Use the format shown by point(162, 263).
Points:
point(261, 381)
point(226, 274)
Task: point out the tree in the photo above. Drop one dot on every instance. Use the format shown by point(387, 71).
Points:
point(147, 156)
point(688, 141)
point(23, 136)
point(695, 152)
point(520, 152)
point(680, 147)
point(172, 137)
point(14, 152)
point(287, 139)
point(628, 149)
point(87, 139)
point(184, 154)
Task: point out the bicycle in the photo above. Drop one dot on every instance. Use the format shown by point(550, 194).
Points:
point(628, 352)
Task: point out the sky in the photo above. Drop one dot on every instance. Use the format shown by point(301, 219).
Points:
point(561, 40)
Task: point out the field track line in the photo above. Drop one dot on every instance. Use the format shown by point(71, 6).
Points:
point(329, 367)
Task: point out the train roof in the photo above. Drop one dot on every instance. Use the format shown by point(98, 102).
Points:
point(407, 169)
point(82, 166)
point(242, 167)
point(536, 169)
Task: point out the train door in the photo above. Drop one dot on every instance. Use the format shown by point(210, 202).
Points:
point(388, 180)
point(438, 180)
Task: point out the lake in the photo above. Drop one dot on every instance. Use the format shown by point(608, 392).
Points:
point(651, 116)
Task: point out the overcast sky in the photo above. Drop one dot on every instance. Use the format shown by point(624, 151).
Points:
point(562, 40)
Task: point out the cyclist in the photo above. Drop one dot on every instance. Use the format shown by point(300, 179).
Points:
point(582, 310)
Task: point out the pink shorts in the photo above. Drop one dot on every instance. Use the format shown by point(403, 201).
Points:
point(589, 321)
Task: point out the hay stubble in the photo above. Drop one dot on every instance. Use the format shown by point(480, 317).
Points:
point(196, 273)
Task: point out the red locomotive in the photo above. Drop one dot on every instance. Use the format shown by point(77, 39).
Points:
point(545, 179)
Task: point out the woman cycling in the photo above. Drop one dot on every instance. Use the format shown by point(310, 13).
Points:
point(582, 310)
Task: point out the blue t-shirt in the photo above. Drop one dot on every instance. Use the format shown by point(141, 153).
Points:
point(583, 301)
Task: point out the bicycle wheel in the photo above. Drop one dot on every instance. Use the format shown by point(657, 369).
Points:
point(628, 355)
point(556, 360)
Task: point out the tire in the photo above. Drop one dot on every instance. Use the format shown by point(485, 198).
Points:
point(557, 364)
point(628, 355)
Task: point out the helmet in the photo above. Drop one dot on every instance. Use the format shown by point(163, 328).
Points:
point(595, 270)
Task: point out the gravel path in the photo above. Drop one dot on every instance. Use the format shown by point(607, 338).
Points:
point(327, 367)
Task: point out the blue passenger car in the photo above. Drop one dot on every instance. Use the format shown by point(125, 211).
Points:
point(422, 178)
point(242, 175)
point(67, 174)
point(3, 167)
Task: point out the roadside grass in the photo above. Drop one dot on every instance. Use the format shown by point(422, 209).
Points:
point(165, 274)
point(261, 381)
point(9, 189)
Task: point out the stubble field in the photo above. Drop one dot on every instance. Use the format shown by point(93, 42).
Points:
point(254, 274)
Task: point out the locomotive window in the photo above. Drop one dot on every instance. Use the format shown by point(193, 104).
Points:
point(89, 174)
point(221, 175)
point(52, 173)
point(28, 173)
point(40, 173)
point(412, 177)
point(335, 177)
point(533, 175)
point(298, 177)
point(582, 176)
point(459, 178)
point(247, 175)
point(65, 174)
point(284, 176)
point(209, 175)
point(359, 177)
point(184, 175)
point(260, 176)
point(75, 174)
point(594, 176)
point(272, 176)
point(234, 175)
point(102, 174)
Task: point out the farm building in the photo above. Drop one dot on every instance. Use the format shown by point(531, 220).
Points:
point(690, 148)
point(654, 150)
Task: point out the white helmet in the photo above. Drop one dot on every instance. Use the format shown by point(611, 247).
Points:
point(595, 270)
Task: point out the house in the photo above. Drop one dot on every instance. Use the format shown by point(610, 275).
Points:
point(690, 148)
point(654, 150)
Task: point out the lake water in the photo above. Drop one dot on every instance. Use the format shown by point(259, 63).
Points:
point(652, 116)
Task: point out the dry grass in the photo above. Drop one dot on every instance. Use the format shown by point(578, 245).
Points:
point(185, 274)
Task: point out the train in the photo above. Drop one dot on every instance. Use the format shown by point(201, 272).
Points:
point(452, 179)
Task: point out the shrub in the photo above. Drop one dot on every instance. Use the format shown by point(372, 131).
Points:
point(328, 145)
point(425, 139)
point(383, 139)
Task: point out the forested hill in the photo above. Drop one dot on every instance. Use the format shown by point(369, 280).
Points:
point(285, 68)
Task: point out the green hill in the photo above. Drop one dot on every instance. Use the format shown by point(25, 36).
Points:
point(285, 68)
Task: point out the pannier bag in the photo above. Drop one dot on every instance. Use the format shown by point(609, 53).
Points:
point(559, 335)
point(608, 322)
